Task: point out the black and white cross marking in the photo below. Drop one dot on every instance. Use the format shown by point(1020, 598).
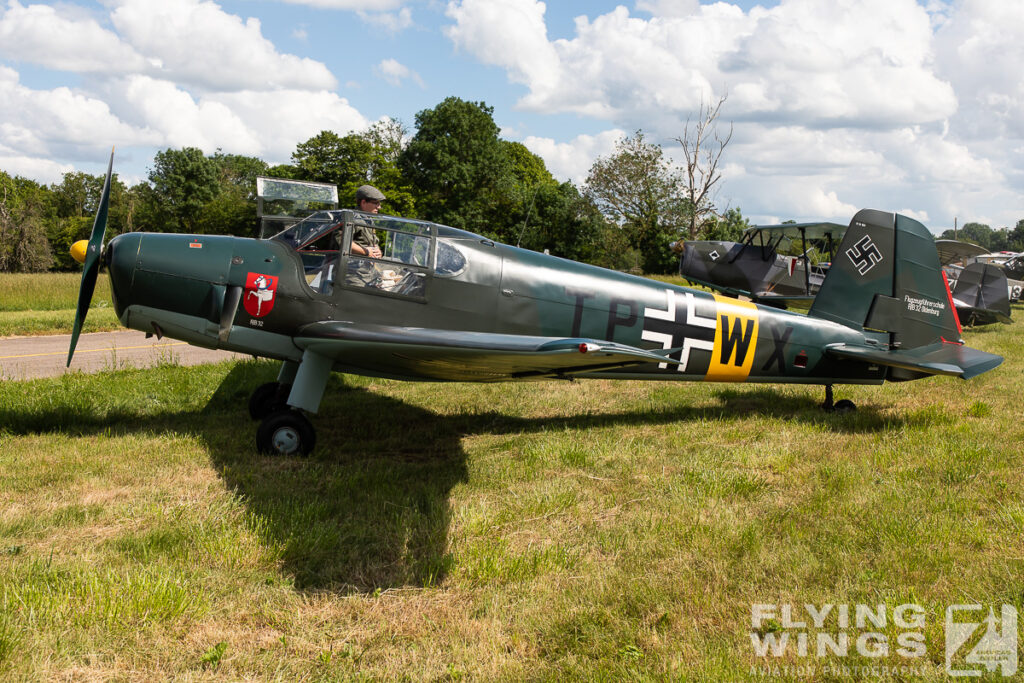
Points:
point(680, 325)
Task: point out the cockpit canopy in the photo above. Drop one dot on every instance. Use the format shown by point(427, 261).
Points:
point(410, 252)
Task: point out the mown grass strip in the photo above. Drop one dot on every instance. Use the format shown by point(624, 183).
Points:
point(48, 291)
point(44, 303)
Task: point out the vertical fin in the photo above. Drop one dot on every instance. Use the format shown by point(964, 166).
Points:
point(886, 276)
point(861, 269)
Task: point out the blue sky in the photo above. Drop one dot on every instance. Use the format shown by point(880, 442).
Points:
point(901, 105)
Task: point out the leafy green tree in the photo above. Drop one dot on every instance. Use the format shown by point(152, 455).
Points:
point(76, 199)
point(25, 209)
point(356, 159)
point(149, 212)
point(330, 158)
point(527, 169)
point(239, 171)
point(456, 164)
point(515, 214)
point(535, 211)
point(286, 171)
point(1015, 238)
point(559, 220)
point(984, 236)
point(184, 180)
point(728, 228)
point(77, 195)
point(977, 233)
point(232, 211)
point(387, 140)
point(639, 190)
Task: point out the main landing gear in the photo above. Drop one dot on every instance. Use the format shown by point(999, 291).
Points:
point(285, 431)
point(842, 407)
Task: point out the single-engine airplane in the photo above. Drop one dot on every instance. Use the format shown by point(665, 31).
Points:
point(445, 304)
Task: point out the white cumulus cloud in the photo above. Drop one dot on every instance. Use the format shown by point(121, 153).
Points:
point(572, 160)
point(836, 106)
point(74, 41)
point(365, 5)
point(394, 72)
point(197, 44)
point(392, 22)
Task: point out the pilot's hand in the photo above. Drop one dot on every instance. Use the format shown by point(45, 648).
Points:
point(374, 252)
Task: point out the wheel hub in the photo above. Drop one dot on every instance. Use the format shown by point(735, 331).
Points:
point(286, 440)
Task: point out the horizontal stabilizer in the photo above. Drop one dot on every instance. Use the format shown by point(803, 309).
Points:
point(934, 359)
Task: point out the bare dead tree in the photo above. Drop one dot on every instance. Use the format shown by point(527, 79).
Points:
point(703, 146)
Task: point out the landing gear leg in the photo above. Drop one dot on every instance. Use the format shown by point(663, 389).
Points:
point(828, 406)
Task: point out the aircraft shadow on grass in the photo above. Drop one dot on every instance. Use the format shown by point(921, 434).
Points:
point(371, 510)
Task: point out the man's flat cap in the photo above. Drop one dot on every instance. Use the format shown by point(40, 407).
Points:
point(369, 192)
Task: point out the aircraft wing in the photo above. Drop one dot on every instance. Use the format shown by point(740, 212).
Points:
point(433, 354)
point(954, 250)
point(935, 359)
point(811, 231)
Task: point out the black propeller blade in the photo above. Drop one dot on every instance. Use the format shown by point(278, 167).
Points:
point(92, 261)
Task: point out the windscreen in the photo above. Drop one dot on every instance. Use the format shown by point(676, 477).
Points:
point(309, 229)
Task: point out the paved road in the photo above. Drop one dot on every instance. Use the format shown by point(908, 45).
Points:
point(29, 357)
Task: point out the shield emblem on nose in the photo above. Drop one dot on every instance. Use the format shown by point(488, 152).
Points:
point(260, 293)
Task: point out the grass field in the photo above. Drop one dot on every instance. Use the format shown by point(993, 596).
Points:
point(543, 531)
point(44, 303)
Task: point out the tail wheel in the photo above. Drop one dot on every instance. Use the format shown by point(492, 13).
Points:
point(285, 432)
point(268, 398)
point(845, 406)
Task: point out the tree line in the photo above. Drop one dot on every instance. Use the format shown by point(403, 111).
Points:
point(455, 170)
point(1001, 239)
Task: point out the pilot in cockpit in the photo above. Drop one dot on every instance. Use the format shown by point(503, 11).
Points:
point(364, 239)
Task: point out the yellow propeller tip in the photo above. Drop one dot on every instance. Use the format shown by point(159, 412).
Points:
point(78, 250)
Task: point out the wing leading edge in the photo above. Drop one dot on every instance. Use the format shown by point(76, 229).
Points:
point(432, 354)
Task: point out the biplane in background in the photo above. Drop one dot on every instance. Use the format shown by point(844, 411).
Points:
point(777, 265)
point(442, 304)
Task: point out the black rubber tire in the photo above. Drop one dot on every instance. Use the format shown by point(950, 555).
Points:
point(845, 406)
point(285, 432)
point(268, 398)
